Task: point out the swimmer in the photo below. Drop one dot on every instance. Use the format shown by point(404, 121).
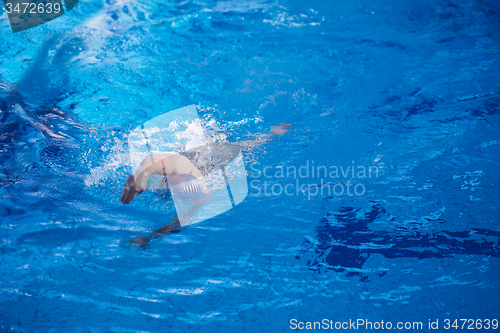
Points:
point(181, 175)
point(173, 164)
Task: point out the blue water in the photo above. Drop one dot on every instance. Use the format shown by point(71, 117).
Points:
point(408, 87)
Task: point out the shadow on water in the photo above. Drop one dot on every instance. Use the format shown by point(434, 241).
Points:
point(345, 242)
point(40, 145)
point(31, 125)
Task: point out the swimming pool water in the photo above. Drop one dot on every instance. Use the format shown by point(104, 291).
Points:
point(410, 88)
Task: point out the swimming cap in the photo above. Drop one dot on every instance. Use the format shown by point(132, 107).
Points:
point(184, 183)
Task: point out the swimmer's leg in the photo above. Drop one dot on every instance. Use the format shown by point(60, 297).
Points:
point(166, 230)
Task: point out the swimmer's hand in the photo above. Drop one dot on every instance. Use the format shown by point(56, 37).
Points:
point(130, 190)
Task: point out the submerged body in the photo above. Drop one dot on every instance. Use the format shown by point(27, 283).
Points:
point(189, 172)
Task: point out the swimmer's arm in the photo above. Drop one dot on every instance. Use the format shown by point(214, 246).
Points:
point(249, 144)
point(164, 165)
point(160, 165)
point(276, 130)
